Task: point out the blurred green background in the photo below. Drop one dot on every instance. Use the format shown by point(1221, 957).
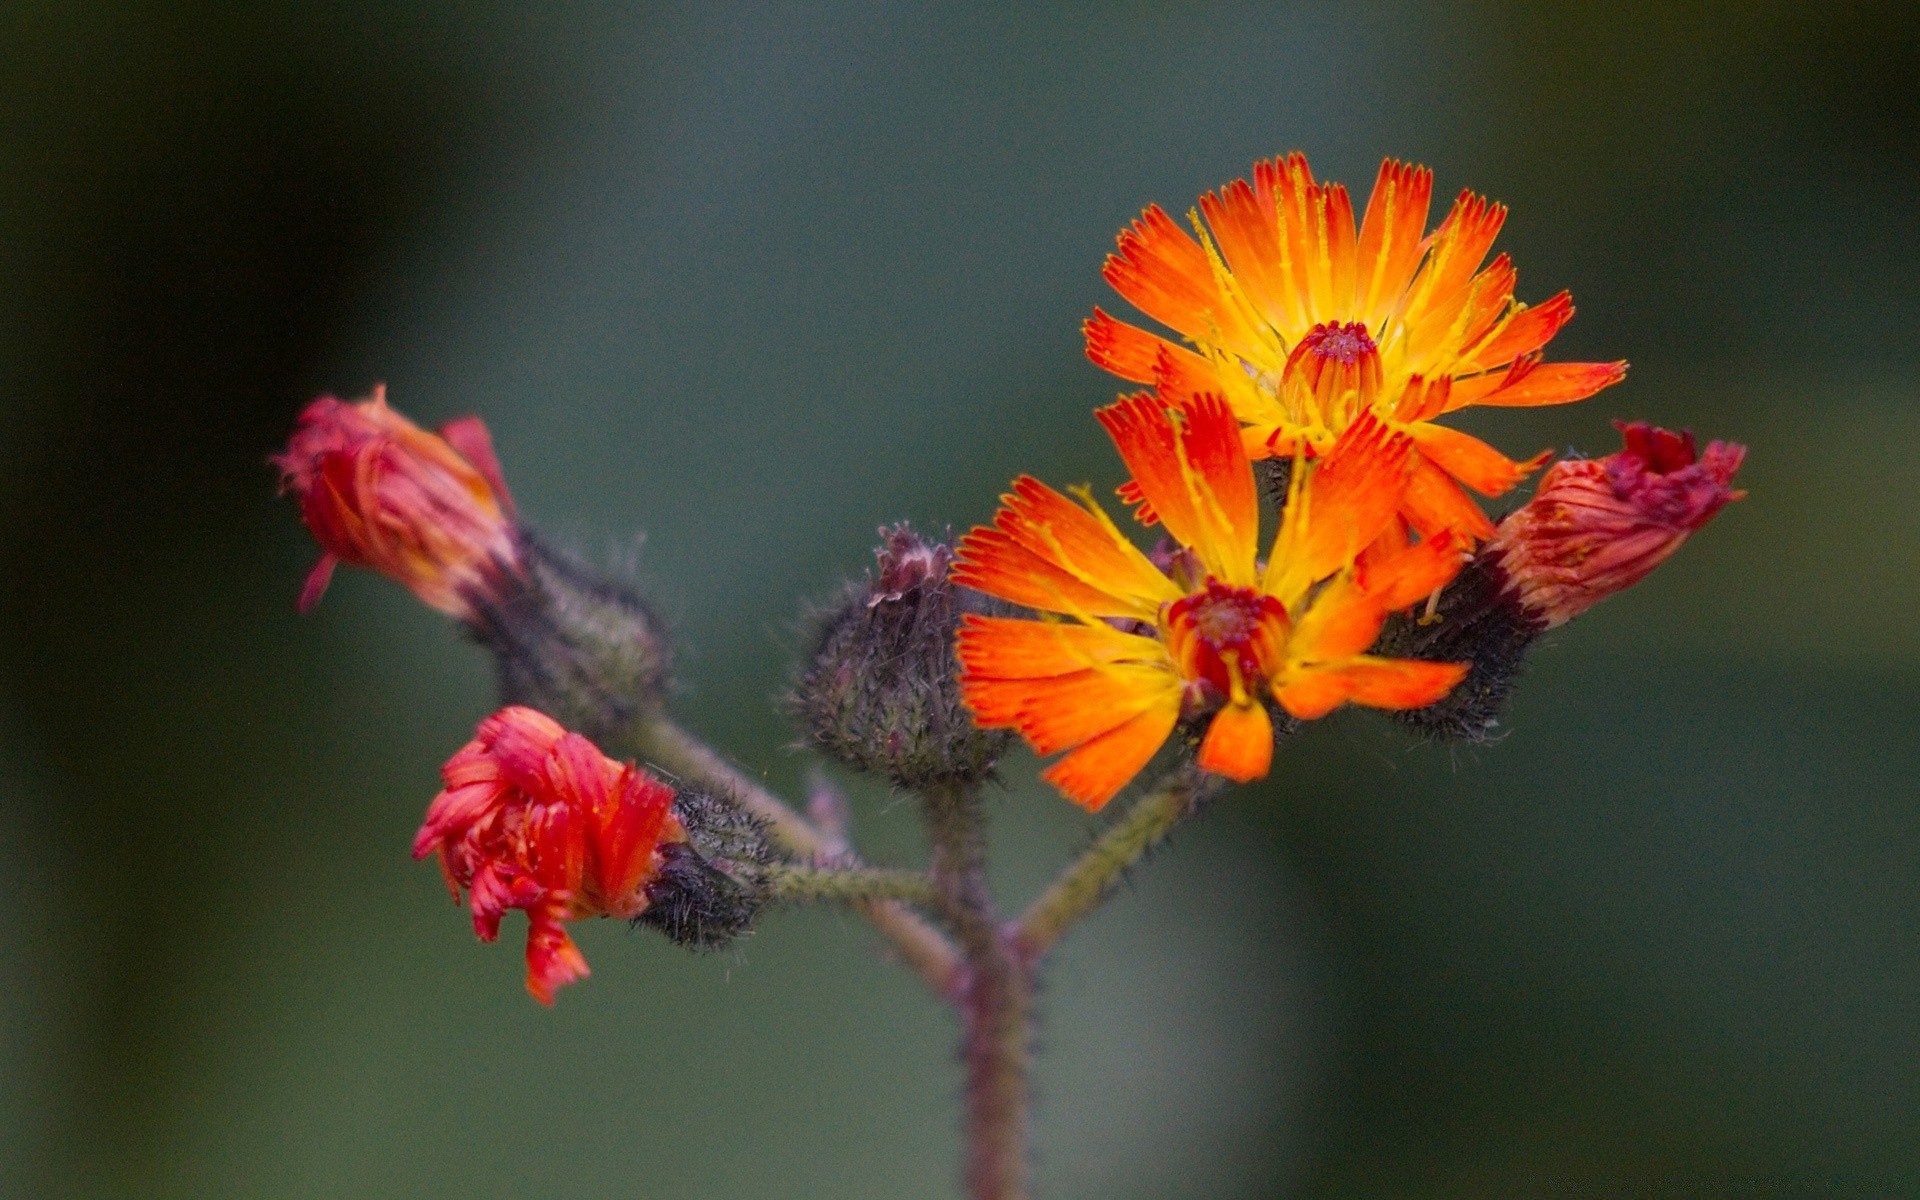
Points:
point(754, 279)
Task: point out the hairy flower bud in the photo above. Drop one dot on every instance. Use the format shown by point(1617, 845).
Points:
point(880, 691)
point(710, 887)
point(536, 818)
point(573, 644)
point(1595, 527)
point(430, 511)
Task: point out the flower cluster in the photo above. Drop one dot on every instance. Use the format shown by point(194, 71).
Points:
point(1332, 349)
point(1312, 350)
point(536, 818)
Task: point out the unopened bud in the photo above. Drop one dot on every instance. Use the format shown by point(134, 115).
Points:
point(880, 692)
point(1595, 527)
point(1599, 526)
point(570, 643)
point(430, 511)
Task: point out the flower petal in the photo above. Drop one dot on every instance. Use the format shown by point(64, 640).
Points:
point(1195, 475)
point(1133, 353)
point(1472, 461)
point(1435, 504)
point(1239, 742)
point(1014, 648)
point(1095, 773)
point(1390, 237)
point(1529, 383)
point(1313, 692)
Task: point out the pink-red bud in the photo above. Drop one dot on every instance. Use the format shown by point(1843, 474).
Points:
point(1597, 526)
point(430, 511)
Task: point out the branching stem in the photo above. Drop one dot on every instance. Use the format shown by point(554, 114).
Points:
point(929, 952)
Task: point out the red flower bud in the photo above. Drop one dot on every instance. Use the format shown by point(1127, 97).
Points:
point(536, 818)
point(378, 491)
point(1599, 525)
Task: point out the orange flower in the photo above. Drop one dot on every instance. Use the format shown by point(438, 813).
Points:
point(1216, 632)
point(536, 818)
point(378, 491)
point(1599, 525)
point(1304, 322)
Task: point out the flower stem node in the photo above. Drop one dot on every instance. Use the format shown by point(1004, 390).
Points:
point(573, 644)
point(880, 691)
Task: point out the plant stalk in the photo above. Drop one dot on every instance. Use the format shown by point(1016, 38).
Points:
point(922, 947)
point(995, 1001)
point(1089, 879)
point(801, 885)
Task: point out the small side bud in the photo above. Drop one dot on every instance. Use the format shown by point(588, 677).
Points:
point(880, 691)
point(573, 644)
point(430, 511)
point(1594, 527)
point(1599, 526)
point(710, 887)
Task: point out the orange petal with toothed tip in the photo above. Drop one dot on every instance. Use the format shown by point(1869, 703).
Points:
point(1080, 541)
point(1488, 302)
point(989, 561)
point(1456, 251)
point(1135, 499)
point(1413, 573)
point(1434, 504)
point(1472, 461)
point(1312, 692)
point(1351, 498)
point(553, 960)
point(1064, 711)
point(1239, 743)
point(1390, 237)
point(1012, 648)
point(1166, 274)
point(1095, 773)
point(1246, 227)
point(1525, 330)
point(1195, 475)
point(1531, 384)
point(1132, 353)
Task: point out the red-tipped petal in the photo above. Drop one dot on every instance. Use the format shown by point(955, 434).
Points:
point(1472, 461)
point(317, 581)
point(470, 437)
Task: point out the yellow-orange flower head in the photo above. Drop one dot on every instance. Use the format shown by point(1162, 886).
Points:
point(1304, 323)
point(1132, 647)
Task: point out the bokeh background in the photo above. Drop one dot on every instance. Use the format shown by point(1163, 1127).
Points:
point(755, 278)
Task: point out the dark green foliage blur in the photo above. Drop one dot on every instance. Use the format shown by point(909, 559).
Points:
point(755, 279)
